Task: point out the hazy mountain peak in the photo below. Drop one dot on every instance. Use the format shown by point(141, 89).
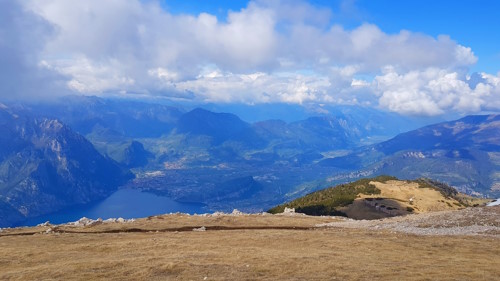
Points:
point(45, 166)
point(219, 126)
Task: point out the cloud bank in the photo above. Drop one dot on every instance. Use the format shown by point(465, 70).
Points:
point(21, 35)
point(270, 51)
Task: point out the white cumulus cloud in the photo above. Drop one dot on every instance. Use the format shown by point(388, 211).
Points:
point(269, 51)
point(435, 91)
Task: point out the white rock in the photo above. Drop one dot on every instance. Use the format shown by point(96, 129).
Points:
point(85, 222)
point(494, 203)
point(218, 214)
point(237, 212)
point(200, 229)
point(47, 223)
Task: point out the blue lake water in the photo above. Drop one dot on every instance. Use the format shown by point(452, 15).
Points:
point(125, 203)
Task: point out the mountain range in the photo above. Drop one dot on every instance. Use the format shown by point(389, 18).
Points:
point(464, 153)
point(45, 166)
point(81, 149)
point(199, 136)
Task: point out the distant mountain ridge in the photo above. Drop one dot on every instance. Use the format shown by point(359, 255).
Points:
point(220, 127)
point(45, 166)
point(471, 132)
point(464, 153)
point(222, 161)
point(122, 118)
point(195, 137)
point(200, 136)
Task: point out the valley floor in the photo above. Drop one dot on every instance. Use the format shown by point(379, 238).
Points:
point(452, 245)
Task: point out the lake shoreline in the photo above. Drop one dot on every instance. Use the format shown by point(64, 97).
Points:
point(124, 203)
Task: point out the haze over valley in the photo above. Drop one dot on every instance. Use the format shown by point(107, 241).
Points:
point(220, 161)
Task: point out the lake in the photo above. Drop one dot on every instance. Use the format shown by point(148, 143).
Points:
point(125, 203)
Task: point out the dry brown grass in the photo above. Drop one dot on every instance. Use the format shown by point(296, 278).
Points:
point(403, 198)
point(246, 254)
point(424, 199)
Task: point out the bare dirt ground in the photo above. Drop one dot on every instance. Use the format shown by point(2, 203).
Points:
point(450, 245)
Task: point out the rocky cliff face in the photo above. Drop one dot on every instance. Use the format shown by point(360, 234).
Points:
point(45, 166)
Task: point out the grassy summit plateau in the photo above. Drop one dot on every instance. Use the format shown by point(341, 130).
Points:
point(379, 197)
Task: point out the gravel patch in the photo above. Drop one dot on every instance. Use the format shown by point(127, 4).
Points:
point(470, 221)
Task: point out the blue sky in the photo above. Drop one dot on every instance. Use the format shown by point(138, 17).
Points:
point(469, 22)
point(423, 58)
